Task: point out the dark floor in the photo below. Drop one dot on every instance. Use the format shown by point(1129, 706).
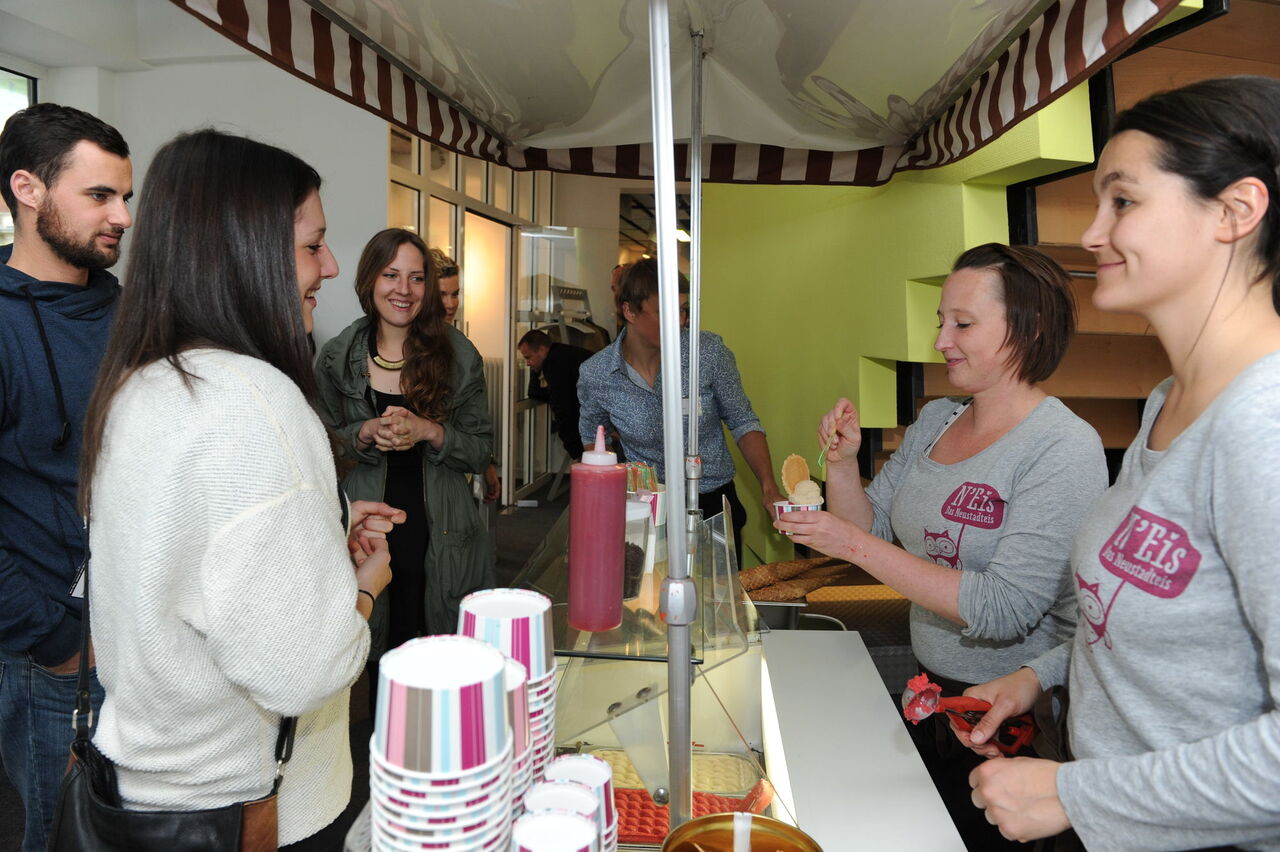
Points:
point(519, 531)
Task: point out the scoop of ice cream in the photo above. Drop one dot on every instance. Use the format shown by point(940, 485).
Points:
point(806, 493)
point(920, 699)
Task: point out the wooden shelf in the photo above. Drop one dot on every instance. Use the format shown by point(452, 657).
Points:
point(1098, 366)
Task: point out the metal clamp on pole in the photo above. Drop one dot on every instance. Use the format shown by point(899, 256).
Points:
point(678, 604)
point(692, 481)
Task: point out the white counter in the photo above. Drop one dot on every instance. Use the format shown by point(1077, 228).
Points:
point(855, 780)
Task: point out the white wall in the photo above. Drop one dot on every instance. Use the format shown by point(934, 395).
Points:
point(194, 78)
point(590, 206)
point(346, 145)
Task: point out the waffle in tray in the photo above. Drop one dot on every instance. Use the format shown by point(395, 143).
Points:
point(724, 774)
point(775, 572)
point(791, 580)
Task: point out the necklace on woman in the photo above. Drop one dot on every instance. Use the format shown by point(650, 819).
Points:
point(373, 351)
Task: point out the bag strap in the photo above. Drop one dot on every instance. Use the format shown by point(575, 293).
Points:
point(82, 716)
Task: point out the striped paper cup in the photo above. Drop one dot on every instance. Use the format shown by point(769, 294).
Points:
point(428, 796)
point(442, 707)
point(485, 779)
point(782, 507)
point(394, 799)
point(476, 831)
point(429, 812)
point(515, 621)
point(590, 770)
point(386, 836)
point(544, 685)
point(517, 685)
point(416, 827)
point(553, 831)
point(523, 781)
point(566, 796)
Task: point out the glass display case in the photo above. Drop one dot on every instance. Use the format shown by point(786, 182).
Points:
point(611, 695)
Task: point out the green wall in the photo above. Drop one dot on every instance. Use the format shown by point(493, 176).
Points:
point(820, 290)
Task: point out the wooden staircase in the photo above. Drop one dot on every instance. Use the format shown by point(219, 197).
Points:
point(1111, 365)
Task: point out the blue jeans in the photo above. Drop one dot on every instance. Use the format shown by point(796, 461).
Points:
point(36, 734)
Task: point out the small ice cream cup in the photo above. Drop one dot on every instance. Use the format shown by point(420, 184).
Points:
point(782, 507)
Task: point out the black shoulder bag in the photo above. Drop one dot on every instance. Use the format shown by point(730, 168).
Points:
point(89, 813)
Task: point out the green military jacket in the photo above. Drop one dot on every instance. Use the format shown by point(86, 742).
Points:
point(459, 559)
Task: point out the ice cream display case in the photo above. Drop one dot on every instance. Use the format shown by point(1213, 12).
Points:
point(613, 684)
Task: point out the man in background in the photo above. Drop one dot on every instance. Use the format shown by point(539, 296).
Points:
point(553, 379)
point(66, 177)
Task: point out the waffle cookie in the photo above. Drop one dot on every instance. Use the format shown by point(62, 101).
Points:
point(712, 773)
point(788, 590)
point(775, 572)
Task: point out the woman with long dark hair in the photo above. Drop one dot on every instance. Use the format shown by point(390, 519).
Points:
point(405, 392)
point(224, 596)
point(1174, 672)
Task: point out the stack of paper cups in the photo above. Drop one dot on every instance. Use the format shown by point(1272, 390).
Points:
point(518, 623)
point(554, 831)
point(568, 796)
point(440, 768)
point(597, 776)
point(517, 682)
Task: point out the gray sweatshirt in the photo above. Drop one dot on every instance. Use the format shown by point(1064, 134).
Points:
point(1175, 667)
point(1005, 517)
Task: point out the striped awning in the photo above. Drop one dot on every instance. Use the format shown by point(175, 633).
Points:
point(796, 91)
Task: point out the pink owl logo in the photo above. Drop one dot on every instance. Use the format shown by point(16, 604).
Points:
point(1091, 607)
point(942, 549)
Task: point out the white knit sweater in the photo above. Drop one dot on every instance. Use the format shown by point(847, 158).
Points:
point(222, 593)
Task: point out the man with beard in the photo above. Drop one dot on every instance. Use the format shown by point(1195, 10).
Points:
point(66, 178)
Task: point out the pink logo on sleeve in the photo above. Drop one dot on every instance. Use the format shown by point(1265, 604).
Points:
point(1152, 553)
point(975, 504)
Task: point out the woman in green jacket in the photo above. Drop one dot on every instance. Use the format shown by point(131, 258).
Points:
point(406, 394)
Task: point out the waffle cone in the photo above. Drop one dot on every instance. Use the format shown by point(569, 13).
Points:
point(794, 471)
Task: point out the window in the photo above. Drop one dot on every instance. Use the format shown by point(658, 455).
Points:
point(17, 91)
point(472, 210)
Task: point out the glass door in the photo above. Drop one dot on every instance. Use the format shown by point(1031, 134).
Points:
point(544, 256)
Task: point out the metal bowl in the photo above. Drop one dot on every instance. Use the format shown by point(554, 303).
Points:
point(714, 833)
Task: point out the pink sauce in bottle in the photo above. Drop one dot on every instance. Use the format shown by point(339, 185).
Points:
point(597, 525)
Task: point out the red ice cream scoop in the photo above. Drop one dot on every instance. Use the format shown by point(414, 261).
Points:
point(922, 698)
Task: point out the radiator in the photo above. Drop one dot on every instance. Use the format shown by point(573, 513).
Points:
point(493, 387)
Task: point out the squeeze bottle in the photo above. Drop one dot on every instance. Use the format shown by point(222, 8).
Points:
point(597, 524)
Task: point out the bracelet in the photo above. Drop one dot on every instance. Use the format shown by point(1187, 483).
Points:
point(372, 599)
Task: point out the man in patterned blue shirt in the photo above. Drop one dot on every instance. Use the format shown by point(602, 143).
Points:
point(620, 387)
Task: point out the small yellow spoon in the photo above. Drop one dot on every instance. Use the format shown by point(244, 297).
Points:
point(822, 456)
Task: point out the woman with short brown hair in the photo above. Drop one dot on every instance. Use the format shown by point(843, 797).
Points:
point(984, 494)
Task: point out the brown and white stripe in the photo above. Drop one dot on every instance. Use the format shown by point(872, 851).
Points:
point(394, 78)
point(1072, 40)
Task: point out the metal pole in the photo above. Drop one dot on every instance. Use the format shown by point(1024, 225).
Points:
point(693, 461)
point(679, 600)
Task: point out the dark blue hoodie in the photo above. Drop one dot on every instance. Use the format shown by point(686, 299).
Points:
point(41, 535)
